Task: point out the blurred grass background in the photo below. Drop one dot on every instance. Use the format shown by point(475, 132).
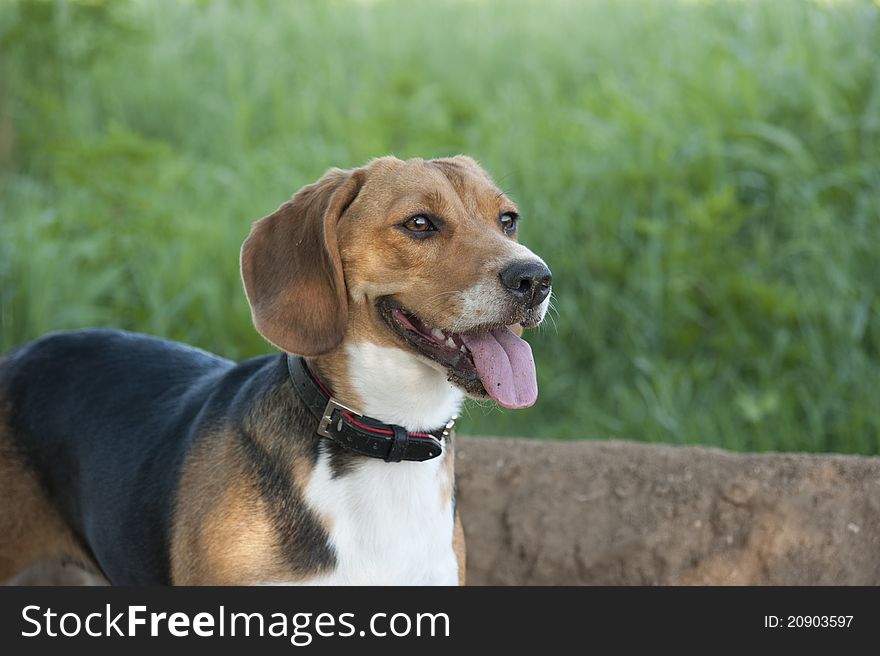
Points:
point(702, 177)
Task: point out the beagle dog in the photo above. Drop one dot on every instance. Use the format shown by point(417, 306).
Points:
point(393, 291)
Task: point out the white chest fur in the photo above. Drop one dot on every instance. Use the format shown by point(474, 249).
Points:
point(391, 523)
point(397, 387)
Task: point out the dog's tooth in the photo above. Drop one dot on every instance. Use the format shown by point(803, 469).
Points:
point(450, 342)
point(438, 334)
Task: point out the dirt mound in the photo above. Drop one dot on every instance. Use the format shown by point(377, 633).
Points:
point(551, 513)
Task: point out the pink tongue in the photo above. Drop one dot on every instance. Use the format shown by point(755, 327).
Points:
point(506, 367)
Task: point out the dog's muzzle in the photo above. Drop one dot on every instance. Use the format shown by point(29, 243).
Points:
point(527, 281)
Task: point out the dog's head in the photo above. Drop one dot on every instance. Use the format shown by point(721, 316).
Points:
point(419, 255)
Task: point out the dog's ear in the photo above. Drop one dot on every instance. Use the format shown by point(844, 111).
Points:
point(292, 270)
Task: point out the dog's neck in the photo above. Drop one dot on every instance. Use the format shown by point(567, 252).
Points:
point(389, 384)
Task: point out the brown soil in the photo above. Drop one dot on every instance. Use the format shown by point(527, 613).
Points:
point(611, 513)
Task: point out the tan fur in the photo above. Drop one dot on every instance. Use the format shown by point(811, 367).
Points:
point(57, 572)
point(332, 370)
point(31, 530)
point(458, 546)
point(221, 534)
point(447, 473)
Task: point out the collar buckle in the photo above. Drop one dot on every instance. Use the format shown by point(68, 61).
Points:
point(327, 416)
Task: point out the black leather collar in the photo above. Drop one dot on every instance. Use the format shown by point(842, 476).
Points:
point(357, 433)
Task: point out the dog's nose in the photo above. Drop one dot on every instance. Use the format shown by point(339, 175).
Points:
point(529, 281)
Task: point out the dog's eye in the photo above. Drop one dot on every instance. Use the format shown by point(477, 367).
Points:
point(419, 223)
point(508, 222)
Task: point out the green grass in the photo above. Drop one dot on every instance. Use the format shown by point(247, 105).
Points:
point(702, 177)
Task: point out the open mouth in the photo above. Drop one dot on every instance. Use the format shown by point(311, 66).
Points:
point(490, 361)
